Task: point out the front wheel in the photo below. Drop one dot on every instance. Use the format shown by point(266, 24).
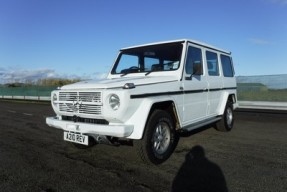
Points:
point(226, 123)
point(159, 139)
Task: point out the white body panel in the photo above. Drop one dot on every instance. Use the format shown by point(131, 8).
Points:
point(85, 106)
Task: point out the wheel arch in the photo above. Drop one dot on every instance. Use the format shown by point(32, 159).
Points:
point(143, 112)
point(232, 98)
point(227, 97)
point(168, 106)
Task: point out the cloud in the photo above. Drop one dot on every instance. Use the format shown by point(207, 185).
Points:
point(259, 41)
point(8, 75)
point(280, 2)
point(2, 70)
point(97, 76)
point(20, 75)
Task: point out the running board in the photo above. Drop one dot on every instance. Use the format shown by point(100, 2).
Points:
point(201, 123)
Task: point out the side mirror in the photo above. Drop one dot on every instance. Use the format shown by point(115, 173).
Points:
point(197, 70)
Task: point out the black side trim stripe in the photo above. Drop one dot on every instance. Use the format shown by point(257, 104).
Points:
point(178, 92)
point(195, 91)
point(220, 89)
point(217, 89)
point(156, 94)
point(229, 88)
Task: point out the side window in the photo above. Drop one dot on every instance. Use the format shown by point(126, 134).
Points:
point(193, 63)
point(226, 66)
point(212, 63)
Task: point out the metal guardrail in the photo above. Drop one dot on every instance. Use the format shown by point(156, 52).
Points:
point(36, 93)
point(32, 98)
point(262, 105)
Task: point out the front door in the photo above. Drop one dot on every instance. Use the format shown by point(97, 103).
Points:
point(195, 87)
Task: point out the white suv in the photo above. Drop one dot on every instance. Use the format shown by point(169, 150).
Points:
point(152, 93)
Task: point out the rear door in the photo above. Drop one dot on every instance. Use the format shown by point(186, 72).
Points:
point(215, 82)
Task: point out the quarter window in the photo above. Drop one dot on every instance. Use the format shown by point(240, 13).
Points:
point(212, 63)
point(226, 66)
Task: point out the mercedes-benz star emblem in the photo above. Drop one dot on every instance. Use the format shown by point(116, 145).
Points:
point(77, 104)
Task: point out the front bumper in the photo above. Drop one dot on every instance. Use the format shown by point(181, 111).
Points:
point(91, 129)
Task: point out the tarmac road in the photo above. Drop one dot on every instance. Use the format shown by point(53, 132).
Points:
point(34, 157)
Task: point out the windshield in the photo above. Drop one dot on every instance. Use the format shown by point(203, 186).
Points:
point(162, 57)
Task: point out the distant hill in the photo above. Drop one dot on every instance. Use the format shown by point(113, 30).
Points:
point(270, 81)
point(14, 85)
point(251, 87)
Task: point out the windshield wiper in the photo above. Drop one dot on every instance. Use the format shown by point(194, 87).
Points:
point(148, 73)
point(124, 74)
point(132, 69)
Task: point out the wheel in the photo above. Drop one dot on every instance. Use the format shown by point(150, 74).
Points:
point(159, 139)
point(226, 123)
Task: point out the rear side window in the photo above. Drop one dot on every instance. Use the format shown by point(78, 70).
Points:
point(212, 63)
point(226, 66)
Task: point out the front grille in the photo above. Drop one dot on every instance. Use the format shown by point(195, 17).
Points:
point(81, 102)
point(67, 96)
point(85, 120)
point(80, 108)
point(95, 97)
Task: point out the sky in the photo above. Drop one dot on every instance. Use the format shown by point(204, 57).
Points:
point(81, 38)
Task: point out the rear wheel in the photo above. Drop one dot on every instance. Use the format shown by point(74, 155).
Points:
point(159, 139)
point(227, 121)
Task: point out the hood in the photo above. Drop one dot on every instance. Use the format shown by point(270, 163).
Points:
point(118, 82)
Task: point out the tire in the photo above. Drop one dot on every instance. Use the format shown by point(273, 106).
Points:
point(159, 139)
point(227, 121)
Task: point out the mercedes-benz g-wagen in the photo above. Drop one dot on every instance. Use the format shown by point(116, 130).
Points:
point(152, 92)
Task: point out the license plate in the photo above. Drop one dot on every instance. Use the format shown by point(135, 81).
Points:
point(76, 138)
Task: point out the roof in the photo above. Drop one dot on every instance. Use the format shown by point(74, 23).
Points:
point(181, 41)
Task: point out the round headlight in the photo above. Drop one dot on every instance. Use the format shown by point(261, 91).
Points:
point(54, 98)
point(114, 102)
